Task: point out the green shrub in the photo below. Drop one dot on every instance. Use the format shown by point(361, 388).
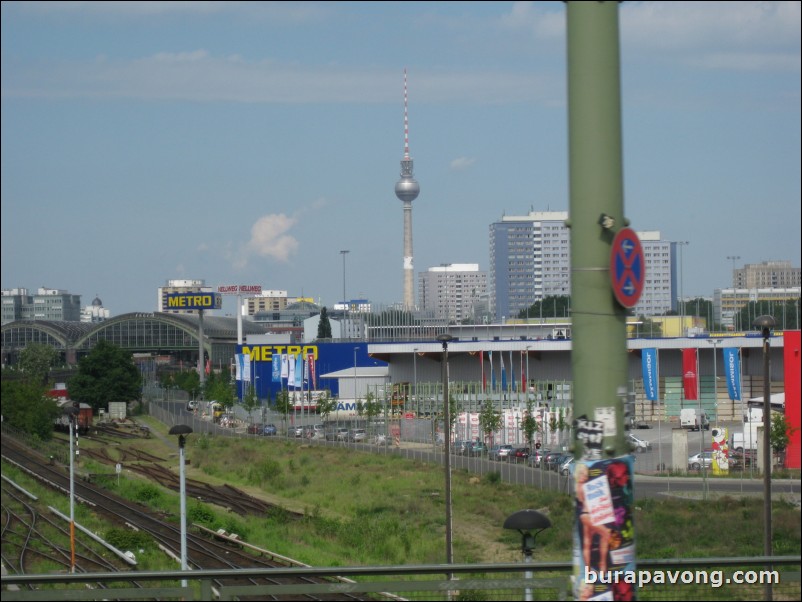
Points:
point(125, 539)
point(148, 494)
point(200, 513)
point(493, 477)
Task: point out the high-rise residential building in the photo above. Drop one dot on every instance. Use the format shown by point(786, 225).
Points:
point(46, 304)
point(180, 286)
point(530, 260)
point(267, 301)
point(657, 297)
point(452, 291)
point(768, 274)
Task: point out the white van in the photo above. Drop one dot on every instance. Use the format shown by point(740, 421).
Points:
point(694, 419)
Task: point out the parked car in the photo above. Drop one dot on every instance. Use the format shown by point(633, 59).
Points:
point(536, 457)
point(519, 454)
point(270, 430)
point(696, 461)
point(337, 434)
point(476, 448)
point(255, 429)
point(499, 452)
point(357, 436)
point(552, 460)
point(565, 467)
point(639, 444)
point(460, 447)
point(295, 431)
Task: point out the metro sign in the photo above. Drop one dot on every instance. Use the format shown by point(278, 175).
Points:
point(627, 268)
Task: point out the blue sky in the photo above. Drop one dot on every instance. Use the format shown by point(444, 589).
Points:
point(250, 142)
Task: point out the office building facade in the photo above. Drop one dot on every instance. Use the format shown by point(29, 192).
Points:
point(768, 274)
point(45, 304)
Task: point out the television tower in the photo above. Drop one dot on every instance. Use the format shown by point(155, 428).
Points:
point(407, 190)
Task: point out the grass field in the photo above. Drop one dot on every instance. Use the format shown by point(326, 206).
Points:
point(363, 508)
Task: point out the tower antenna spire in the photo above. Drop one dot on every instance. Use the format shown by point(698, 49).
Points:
point(406, 118)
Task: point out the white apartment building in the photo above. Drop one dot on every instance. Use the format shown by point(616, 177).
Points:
point(452, 291)
point(530, 259)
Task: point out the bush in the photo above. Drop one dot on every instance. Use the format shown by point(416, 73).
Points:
point(148, 494)
point(124, 539)
point(199, 513)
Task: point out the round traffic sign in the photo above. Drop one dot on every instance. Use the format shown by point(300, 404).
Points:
point(627, 267)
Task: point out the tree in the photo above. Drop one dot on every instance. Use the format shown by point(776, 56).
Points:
point(35, 362)
point(489, 419)
point(188, 381)
point(553, 306)
point(649, 328)
point(324, 326)
point(283, 404)
point(25, 406)
point(107, 373)
point(786, 314)
point(780, 433)
point(250, 402)
point(326, 404)
point(220, 391)
point(529, 423)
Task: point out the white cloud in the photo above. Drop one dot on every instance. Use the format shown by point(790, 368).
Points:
point(270, 238)
point(461, 163)
point(721, 35)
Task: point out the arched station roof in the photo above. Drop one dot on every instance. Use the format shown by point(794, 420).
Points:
point(135, 332)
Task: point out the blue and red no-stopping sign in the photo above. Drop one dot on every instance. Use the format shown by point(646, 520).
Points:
point(627, 267)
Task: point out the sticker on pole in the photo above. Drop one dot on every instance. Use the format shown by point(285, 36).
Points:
point(627, 268)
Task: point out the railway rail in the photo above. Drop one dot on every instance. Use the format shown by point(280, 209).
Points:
point(202, 552)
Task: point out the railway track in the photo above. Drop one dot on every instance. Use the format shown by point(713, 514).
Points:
point(31, 540)
point(202, 553)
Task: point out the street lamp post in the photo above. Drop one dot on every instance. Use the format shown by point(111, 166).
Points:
point(715, 343)
point(766, 323)
point(182, 430)
point(355, 395)
point(526, 521)
point(681, 243)
point(733, 258)
point(415, 379)
point(444, 339)
point(72, 414)
point(344, 253)
point(345, 299)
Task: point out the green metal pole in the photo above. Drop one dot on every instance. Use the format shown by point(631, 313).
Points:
point(599, 354)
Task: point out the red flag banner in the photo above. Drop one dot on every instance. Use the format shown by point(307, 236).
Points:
point(690, 374)
point(310, 362)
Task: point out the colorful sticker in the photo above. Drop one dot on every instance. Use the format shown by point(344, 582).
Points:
point(604, 535)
